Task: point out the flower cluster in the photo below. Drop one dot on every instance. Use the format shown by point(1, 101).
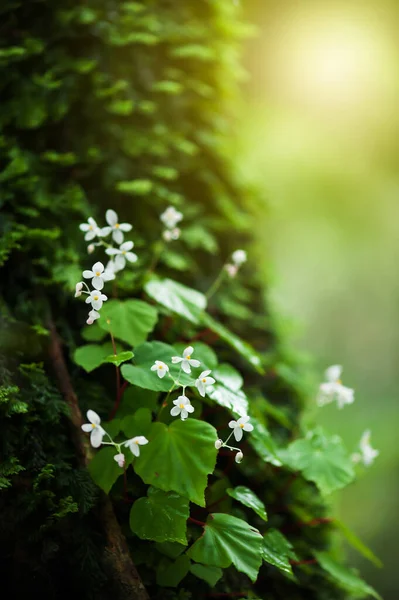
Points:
point(182, 405)
point(99, 274)
point(238, 258)
point(170, 218)
point(97, 433)
point(238, 427)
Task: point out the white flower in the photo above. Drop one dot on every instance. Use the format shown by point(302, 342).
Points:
point(122, 254)
point(91, 228)
point(93, 315)
point(202, 381)
point(91, 248)
point(239, 257)
point(186, 360)
point(170, 235)
point(367, 452)
point(97, 432)
point(182, 407)
point(78, 289)
point(96, 299)
point(333, 389)
point(218, 444)
point(171, 217)
point(160, 368)
point(134, 443)
point(117, 228)
point(239, 426)
point(120, 459)
point(109, 272)
point(96, 275)
point(239, 456)
point(231, 270)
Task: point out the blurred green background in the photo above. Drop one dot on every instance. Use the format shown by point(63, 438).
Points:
point(319, 133)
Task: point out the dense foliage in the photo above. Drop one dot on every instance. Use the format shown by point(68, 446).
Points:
point(125, 105)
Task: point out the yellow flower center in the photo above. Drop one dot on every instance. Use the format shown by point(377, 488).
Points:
point(339, 381)
point(204, 380)
point(93, 426)
point(160, 366)
point(181, 405)
point(91, 227)
point(188, 357)
point(242, 425)
point(116, 225)
point(96, 298)
point(136, 442)
point(123, 251)
point(98, 273)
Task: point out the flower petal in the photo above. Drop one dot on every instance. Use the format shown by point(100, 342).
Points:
point(131, 257)
point(183, 414)
point(98, 267)
point(105, 231)
point(87, 427)
point(111, 217)
point(125, 226)
point(87, 274)
point(248, 427)
point(233, 424)
point(93, 417)
point(112, 251)
point(185, 365)
point(126, 246)
point(96, 437)
point(135, 449)
point(204, 374)
point(176, 359)
point(189, 408)
point(97, 283)
point(238, 433)
point(188, 351)
point(120, 262)
point(117, 236)
point(175, 411)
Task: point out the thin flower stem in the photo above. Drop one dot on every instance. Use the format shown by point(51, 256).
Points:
point(225, 443)
point(87, 287)
point(119, 392)
point(200, 523)
point(216, 284)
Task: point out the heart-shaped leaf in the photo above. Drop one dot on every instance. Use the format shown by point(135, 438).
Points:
point(179, 458)
point(118, 359)
point(209, 574)
point(228, 540)
point(180, 299)
point(161, 517)
point(91, 356)
point(104, 469)
point(129, 320)
point(248, 498)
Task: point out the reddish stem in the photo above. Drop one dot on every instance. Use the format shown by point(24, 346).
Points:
point(311, 561)
point(125, 492)
point(200, 523)
point(217, 501)
point(316, 522)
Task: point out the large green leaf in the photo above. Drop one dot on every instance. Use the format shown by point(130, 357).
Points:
point(226, 391)
point(138, 423)
point(91, 356)
point(263, 444)
point(129, 320)
point(321, 459)
point(181, 300)
point(277, 551)
point(161, 517)
point(179, 458)
point(243, 348)
point(170, 574)
point(135, 398)
point(247, 497)
point(228, 540)
point(347, 579)
point(140, 373)
point(104, 469)
point(209, 574)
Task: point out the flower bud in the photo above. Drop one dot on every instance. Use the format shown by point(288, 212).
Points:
point(239, 457)
point(239, 257)
point(218, 444)
point(231, 270)
point(90, 321)
point(120, 459)
point(175, 233)
point(90, 248)
point(167, 236)
point(78, 289)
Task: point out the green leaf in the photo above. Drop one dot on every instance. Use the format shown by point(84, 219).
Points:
point(137, 424)
point(104, 469)
point(228, 540)
point(263, 444)
point(91, 356)
point(178, 298)
point(179, 458)
point(170, 549)
point(347, 579)
point(140, 373)
point(161, 517)
point(226, 391)
point(321, 459)
point(357, 544)
point(248, 498)
point(209, 574)
point(277, 551)
point(135, 398)
point(170, 574)
point(129, 320)
point(202, 352)
point(118, 359)
point(243, 348)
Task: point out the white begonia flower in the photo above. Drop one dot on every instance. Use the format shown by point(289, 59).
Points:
point(170, 235)
point(93, 315)
point(218, 444)
point(96, 275)
point(94, 427)
point(240, 426)
point(160, 367)
point(231, 270)
point(202, 381)
point(96, 299)
point(134, 444)
point(333, 389)
point(91, 228)
point(122, 254)
point(182, 407)
point(239, 257)
point(239, 456)
point(367, 453)
point(109, 272)
point(90, 248)
point(186, 360)
point(117, 228)
point(171, 217)
point(78, 289)
point(120, 459)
